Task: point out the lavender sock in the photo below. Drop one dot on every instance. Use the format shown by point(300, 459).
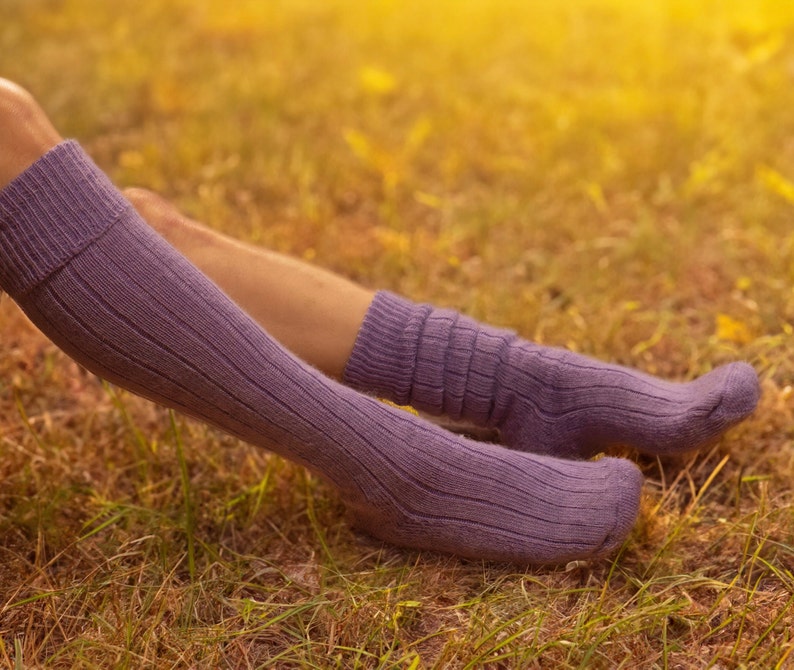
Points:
point(541, 399)
point(115, 296)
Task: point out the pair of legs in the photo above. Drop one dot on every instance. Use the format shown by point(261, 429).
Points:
point(110, 291)
point(556, 402)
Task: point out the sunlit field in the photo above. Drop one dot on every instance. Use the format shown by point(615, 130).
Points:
point(615, 177)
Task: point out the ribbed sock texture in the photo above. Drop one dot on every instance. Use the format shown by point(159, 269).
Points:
point(122, 302)
point(542, 399)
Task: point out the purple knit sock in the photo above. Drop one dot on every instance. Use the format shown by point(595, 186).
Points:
point(542, 399)
point(115, 296)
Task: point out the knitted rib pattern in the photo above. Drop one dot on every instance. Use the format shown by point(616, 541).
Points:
point(542, 399)
point(122, 302)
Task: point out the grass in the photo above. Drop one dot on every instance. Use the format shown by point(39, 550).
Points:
point(611, 176)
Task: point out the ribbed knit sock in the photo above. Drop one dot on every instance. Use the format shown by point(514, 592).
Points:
point(542, 399)
point(122, 302)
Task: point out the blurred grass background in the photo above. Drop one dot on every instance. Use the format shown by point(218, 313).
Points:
point(610, 176)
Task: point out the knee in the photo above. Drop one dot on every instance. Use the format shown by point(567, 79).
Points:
point(20, 114)
point(15, 101)
point(25, 131)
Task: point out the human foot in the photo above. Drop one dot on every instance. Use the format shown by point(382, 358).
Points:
point(541, 399)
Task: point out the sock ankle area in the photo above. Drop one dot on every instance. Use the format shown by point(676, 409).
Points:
point(429, 358)
point(383, 360)
point(558, 509)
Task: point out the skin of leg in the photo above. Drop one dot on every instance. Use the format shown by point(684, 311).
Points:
point(26, 133)
point(314, 313)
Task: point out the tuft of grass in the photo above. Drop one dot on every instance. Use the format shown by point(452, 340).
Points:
point(611, 176)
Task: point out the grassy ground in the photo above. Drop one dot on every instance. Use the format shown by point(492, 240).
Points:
point(613, 176)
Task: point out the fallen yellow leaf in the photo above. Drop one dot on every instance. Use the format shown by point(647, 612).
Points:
point(732, 330)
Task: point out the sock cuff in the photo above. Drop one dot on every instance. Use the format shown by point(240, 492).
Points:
point(386, 348)
point(52, 211)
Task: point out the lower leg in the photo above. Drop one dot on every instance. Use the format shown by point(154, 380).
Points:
point(314, 313)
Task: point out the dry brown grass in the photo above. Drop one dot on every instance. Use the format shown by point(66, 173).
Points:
point(612, 176)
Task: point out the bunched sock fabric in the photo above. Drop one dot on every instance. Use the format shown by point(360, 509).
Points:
point(122, 302)
point(541, 399)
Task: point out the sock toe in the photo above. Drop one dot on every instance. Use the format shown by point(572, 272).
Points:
point(624, 482)
point(740, 393)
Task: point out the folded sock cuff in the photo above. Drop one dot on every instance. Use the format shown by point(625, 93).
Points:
point(384, 355)
point(52, 211)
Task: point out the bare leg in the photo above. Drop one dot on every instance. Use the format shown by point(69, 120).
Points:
point(312, 312)
point(25, 131)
